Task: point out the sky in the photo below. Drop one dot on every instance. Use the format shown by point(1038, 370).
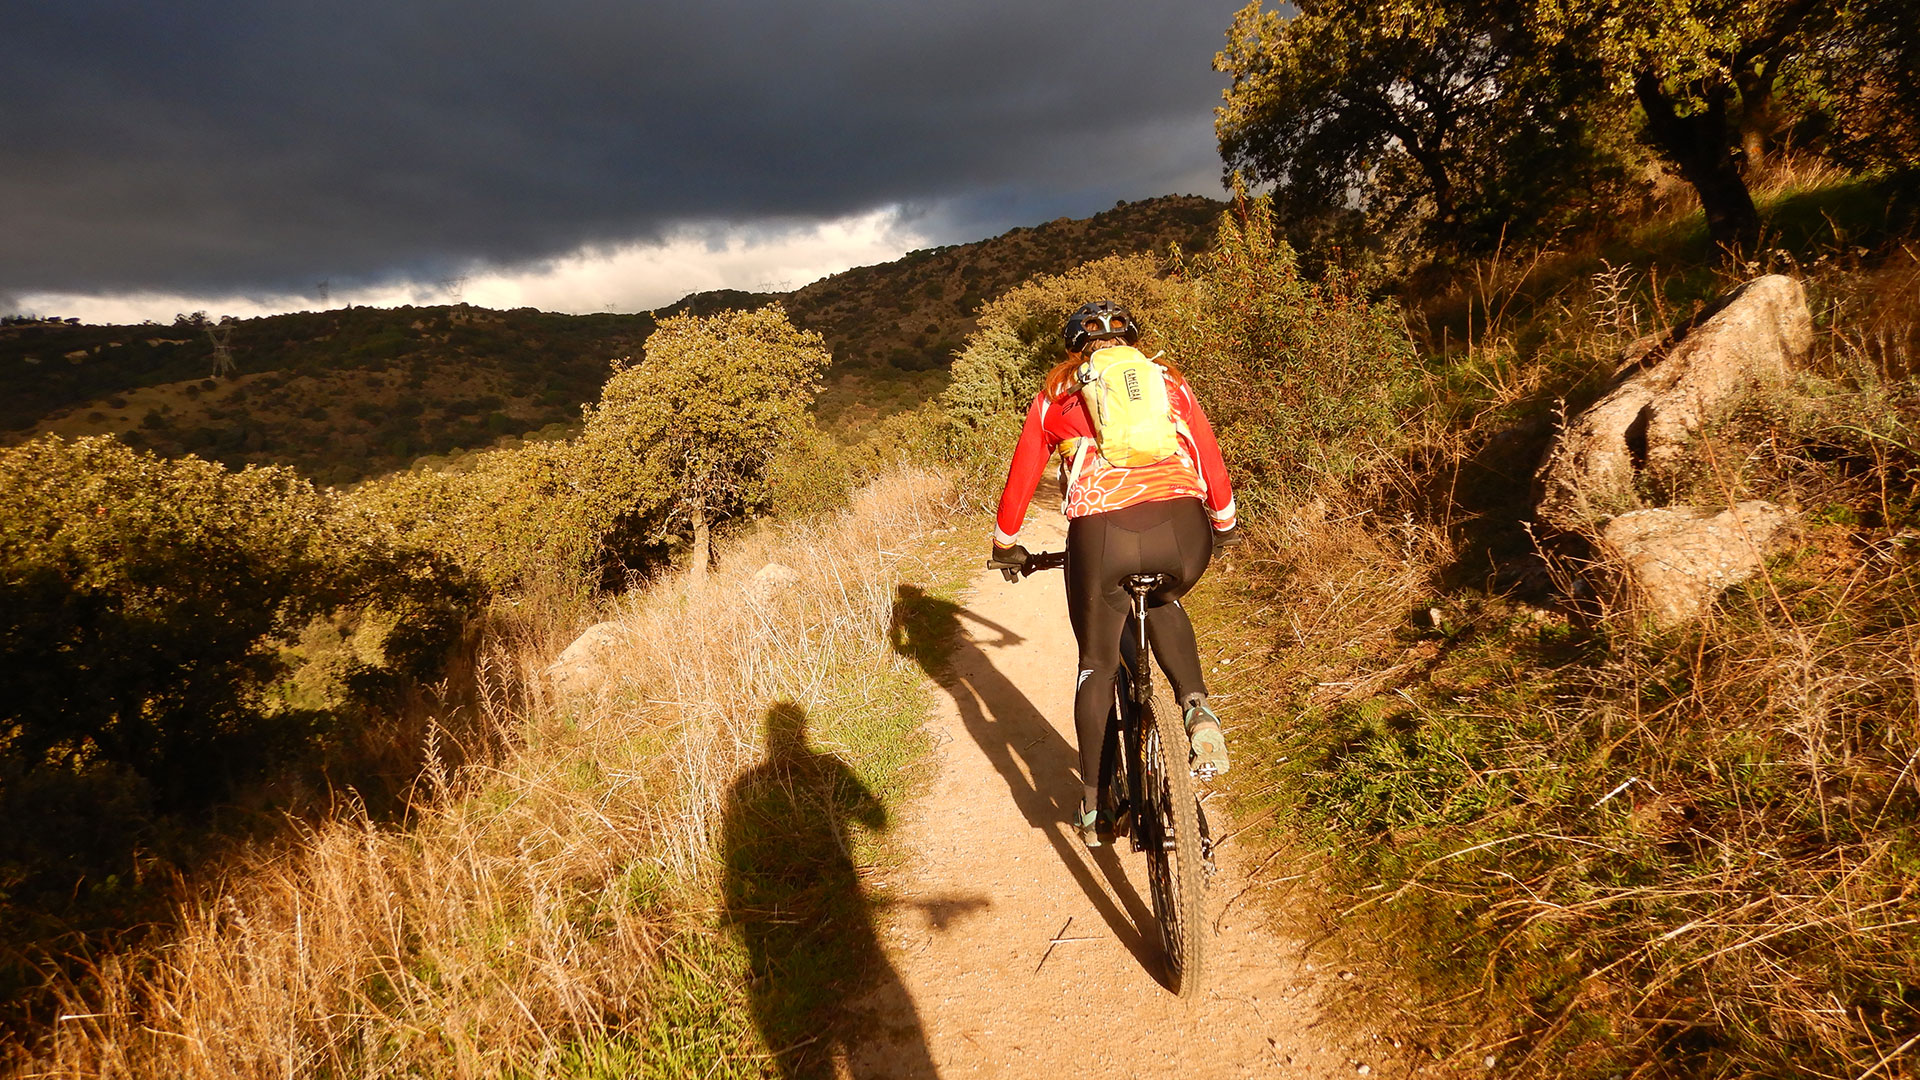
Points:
point(251, 156)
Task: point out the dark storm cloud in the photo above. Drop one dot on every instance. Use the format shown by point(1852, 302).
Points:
point(231, 144)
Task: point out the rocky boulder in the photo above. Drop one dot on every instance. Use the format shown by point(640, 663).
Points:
point(1672, 562)
point(584, 662)
point(771, 579)
point(1666, 385)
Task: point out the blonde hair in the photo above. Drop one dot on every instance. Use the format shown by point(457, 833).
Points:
point(1064, 380)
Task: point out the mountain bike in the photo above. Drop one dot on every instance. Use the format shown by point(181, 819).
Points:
point(1147, 789)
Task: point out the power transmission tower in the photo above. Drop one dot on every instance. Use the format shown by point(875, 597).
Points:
point(222, 355)
point(454, 288)
point(326, 289)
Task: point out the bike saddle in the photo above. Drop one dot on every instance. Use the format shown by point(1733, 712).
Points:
point(1141, 583)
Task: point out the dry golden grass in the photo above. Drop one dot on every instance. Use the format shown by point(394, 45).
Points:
point(1602, 850)
point(1336, 585)
point(526, 908)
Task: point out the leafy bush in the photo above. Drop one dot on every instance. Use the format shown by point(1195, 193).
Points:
point(811, 473)
point(513, 518)
point(156, 614)
point(1304, 381)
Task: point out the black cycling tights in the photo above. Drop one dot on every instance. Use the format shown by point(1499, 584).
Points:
point(1169, 536)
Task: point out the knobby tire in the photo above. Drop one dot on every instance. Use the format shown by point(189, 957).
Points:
point(1175, 874)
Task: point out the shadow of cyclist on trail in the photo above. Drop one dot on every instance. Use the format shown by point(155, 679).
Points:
point(793, 896)
point(1012, 733)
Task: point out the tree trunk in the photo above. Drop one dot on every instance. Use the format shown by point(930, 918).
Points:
point(702, 550)
point(1757, 68)
point(1699, 144)
point(1432, 166)
point(1757, 119)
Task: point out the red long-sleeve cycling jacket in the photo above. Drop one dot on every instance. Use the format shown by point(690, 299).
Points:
point(1195, 472)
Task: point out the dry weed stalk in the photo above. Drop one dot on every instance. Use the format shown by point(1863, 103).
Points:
point(1342, 584)
point(1619, 850)
point(528, 905)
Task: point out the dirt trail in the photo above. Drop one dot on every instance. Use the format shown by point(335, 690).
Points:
point(1017, 948)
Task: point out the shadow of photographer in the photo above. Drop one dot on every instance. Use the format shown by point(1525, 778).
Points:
point(793, 896)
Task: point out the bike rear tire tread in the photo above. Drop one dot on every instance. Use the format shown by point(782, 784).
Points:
point(1177, 877)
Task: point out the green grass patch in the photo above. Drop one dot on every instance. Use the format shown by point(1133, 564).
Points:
point(757, 977)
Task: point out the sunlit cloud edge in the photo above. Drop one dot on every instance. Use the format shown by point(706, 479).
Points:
point(761, 256)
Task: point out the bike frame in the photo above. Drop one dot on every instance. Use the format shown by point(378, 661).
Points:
point(1131, 694)
point(1146, 779)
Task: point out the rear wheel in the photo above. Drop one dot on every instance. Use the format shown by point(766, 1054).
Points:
point(1175, 874)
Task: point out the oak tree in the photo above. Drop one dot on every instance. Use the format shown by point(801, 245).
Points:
point(687, 435)
point(1442, 118)
point(1484, 93)
point(1704, 74)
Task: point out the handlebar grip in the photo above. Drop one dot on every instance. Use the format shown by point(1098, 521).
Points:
point(1036, 562)
point(1044, 560)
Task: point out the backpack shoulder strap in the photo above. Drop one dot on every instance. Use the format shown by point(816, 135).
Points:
point(1073, 474)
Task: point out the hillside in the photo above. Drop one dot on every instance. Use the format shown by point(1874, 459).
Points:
point(339, 394)
point(355, 392)
point(1515, 827)
point(893, 328)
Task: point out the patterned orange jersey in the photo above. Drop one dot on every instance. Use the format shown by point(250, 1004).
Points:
point(1195, 472)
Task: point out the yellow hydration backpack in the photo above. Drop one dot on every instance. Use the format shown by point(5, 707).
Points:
point(1126, 397)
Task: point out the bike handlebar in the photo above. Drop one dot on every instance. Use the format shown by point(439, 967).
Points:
point(1036, 562)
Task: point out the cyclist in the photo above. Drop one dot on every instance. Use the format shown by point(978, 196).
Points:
point(1163, 517)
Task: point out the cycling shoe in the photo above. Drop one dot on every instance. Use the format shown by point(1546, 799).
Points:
point(1209, 745)
point(1091, 826)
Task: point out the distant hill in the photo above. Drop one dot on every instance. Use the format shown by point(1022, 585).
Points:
point(893, 328)
point(341, 394)
point(353, 392)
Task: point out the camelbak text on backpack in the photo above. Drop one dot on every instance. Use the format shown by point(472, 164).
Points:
point(1126, 396)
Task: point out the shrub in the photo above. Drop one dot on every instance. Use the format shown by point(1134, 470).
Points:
point(513, 518)
point(1304, 381)
point(811, 473)
point(150, 612)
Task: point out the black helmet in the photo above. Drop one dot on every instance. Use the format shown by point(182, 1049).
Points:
point(1100, 319)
